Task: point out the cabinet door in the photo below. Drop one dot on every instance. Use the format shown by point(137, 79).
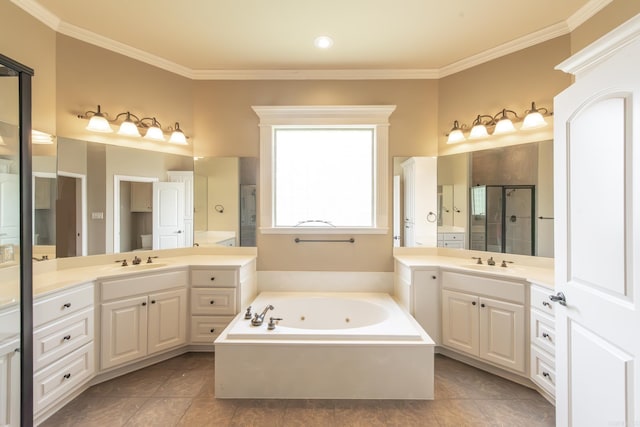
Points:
point(124, 331)
point(167, 320)
point(502, 333)
point(460, 321)
point(10, 384)
point(427, 302)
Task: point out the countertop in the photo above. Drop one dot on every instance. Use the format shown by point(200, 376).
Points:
point(538, 271)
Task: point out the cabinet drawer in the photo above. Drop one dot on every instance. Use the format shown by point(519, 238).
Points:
point(501, 289)
point(62, 304)
point(61, 377)
point(54, 341)
point(211, 278)
point(543, 333)
point(142, 284)
point(540, 300)
point(543, 370)
point(453, 244)
point(453, 236)
point(213, 301)
point(205, 329)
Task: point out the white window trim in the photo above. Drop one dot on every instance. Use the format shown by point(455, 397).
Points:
point(364, 115)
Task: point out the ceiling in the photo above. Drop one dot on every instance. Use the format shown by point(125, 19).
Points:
point(406, 38)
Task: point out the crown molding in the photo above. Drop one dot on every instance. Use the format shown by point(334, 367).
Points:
point(602, 48)
point(524, 42)
point(585, 12)
point(35, 9)
point(347, 74)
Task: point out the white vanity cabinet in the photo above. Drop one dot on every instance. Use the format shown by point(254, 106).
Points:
point(63, 344)
point(217, 294)
point(485, 318)
point(417, 289)
point(142, 315)
point(10, 382)
point(451, 240)
point(542, 324)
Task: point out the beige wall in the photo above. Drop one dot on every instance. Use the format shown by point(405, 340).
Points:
point(89, 75)
point(72, 77)
point(223, 188)
point(616, 13)
point(26, 40)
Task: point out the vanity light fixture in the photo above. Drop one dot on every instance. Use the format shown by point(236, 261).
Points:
point(131, 125)
point(98, 121)
point(534, 117)
point(499, 124)
point(43, 138)
point(323, 42)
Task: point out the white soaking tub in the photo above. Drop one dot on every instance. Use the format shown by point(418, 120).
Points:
point(328, 346)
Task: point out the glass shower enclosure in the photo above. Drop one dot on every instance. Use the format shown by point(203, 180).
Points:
point(502, 219)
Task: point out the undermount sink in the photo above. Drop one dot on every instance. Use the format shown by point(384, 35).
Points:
point(145, 266)
point(492, 268)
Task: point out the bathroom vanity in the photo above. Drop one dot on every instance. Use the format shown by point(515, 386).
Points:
point(95, 319)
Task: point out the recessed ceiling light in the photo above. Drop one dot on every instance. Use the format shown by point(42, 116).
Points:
point(323, 42)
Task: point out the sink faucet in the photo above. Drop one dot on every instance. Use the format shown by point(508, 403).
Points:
point(123, 261)
point(478, 258)
point(136, 260)
point(504, 263)
point(259, 318)
point(490, 261)
point(149, 261)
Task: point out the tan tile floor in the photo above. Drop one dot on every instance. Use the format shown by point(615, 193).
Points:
point(180, 392)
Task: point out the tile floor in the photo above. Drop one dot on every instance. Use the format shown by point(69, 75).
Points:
point(180, 392)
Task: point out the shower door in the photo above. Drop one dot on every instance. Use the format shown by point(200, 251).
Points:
point(518, 224)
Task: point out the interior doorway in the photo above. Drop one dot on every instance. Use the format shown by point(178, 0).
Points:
point(132, 212)
point(71, 215)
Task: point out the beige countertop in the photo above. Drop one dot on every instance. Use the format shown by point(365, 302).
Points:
point(58, 274)
point(531, 269)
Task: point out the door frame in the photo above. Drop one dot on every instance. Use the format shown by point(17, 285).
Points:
point(82, 208)
point(117, 179)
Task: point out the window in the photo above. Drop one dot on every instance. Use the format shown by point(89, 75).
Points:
point(324, 169)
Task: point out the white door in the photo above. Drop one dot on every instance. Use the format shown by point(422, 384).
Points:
point(460, 328)
point(168, 215)
point(396, 211)
point(124, 331)
point(502, 333)
point(167, 320)
point(597, 245)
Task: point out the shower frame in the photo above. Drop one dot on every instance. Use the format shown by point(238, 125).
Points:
point(503, 231)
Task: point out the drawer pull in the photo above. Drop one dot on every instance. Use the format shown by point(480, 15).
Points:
point(153, 301)
point(66, 376)
point(66, 338)
point(212, 302)
point(212, 330)
point(473, 303)
point(144, 303)
point(482, 305)
point(16, 350)
point(546, 304)
point(433, 277)
point(546, 335)
point(66, 305)
point(547, 375)
point(213, 278)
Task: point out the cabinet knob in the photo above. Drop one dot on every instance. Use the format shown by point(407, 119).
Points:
point(546, 335)
point(212, 330)
point(212, 302)
point(473, 303)
point(434, 277)
point(66, 376)
point(546, 375)
point(66, 305)
point(482, 305)
point(153, 301)
point(144, 303)
point(66, 338)
point(546, 304)
point(213, 278)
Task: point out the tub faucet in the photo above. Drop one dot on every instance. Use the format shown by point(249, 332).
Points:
point(259, 318)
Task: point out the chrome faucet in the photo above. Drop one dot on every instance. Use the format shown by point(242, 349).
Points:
point(136, 260)
point(478, 258)
point(259, 318)
point(490, 261)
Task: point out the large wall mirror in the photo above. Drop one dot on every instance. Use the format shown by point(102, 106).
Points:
point(96, 198)
point(497, 200)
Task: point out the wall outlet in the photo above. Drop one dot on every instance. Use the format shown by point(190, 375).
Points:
point(97, 215)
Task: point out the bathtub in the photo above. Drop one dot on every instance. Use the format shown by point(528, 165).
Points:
point(327, 346)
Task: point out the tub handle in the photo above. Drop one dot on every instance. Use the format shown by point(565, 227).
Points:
point(273, 321)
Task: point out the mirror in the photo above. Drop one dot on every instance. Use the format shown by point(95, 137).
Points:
point(93, 177)
point(519, 175)
point(44, 195)
point(225, 201)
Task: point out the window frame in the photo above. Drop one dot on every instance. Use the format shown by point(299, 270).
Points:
point(375, 116)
